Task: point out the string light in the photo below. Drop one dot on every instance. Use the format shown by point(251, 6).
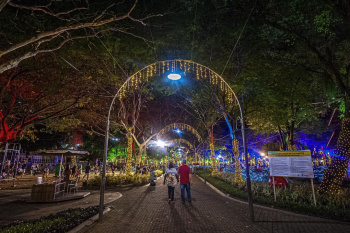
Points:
point(235, 150)
point(213, 161)
point(129, 153)
point(334, 174)
point(182, 126)
point(200, 71)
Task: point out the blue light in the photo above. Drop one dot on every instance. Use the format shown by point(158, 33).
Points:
point(174, 76)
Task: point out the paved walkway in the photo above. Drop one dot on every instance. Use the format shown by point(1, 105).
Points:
point(145, 209)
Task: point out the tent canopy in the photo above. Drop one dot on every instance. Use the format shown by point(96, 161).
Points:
point(59, 152)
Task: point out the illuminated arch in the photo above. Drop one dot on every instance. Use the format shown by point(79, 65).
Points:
point(181, 141)
point(159, 68)
point(172, 66)
point(181, 126)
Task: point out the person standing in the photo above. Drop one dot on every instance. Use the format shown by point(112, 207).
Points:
point(74, 171)
point(185, 180)
point(170, 178)
point(67, 174)
point(34, 168)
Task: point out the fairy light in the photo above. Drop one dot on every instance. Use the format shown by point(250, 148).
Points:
point(200, 71)
point(213, 162)
point(235, 150)
point(334, 174)
point(129, 152)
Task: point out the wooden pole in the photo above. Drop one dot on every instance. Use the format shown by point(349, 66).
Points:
point(313, 190)
point(61, 167)
point(274, 188)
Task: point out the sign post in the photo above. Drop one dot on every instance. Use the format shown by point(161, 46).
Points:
point(274, 188)
point(296, 164)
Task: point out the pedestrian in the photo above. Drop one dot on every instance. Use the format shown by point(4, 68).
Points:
point(34, 168)
point(77, 174)
point(87, 171)
point(67, 174)
point(185, 181)
point(74, 170)
point(96, 170)
point(171, 178)
point(46, 172)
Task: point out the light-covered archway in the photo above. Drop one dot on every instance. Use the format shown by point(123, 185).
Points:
point(176, 67)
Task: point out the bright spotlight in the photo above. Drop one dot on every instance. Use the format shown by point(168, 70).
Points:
point(160, 143)
point(178, 131)
point(262, 154)
point(174, 76)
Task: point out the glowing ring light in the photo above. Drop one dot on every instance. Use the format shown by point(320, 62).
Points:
point(174, 76)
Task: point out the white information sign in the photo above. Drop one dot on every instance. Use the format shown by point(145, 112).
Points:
point(296, 163)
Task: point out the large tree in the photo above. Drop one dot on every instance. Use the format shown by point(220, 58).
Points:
point(36, 27)
point(314, 34)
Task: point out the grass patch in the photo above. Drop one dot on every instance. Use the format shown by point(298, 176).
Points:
point(122, 179)
point(297, 197)
point(61, 222)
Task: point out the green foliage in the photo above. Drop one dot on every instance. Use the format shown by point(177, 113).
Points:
point(295, 197)
point(117, 180)
point(61, 222)
point(158, 172)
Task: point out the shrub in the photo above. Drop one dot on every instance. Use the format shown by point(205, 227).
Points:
point(61, 222)
point(112, 181)
point(296, 197)
point(158, 172)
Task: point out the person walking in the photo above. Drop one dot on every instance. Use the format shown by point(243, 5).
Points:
point(171, 178)
point(87, 171)
point(185, 181)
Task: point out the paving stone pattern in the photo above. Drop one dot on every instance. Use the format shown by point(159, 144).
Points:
point(145, 209)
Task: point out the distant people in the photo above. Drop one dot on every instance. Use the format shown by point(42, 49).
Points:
point(67, 174)
point(77, 174)
point(3, 174)
point(87, 171)
point(171, 178)
point(74, 170)
point(96, 170)
point(34, 169)
point(46, 171)
point(185, 180)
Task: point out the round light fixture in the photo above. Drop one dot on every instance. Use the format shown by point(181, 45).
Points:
point(160, 143)
point(174, 76)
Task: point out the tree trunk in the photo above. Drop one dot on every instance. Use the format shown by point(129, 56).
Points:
point(213, 162)
point(282, 138)
point(129, 153)
point(3, 3)
point(138, 157)
point(334, 175)
point(238, 175)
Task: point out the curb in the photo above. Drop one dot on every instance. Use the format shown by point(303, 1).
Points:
point(89, 221)
point(266, 207)
point(92, 219)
